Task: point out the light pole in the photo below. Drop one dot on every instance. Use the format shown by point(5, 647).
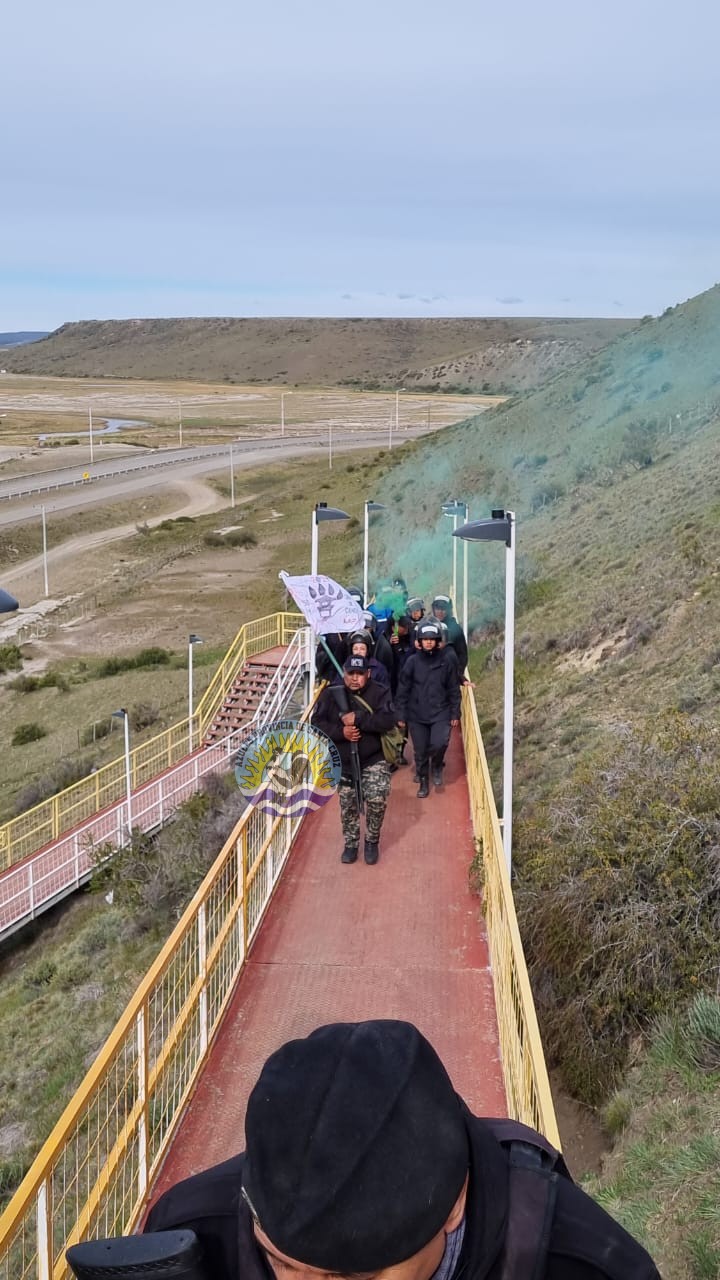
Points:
point(45, 564)
point(283, 394)
point(397, 417)
point(232, 478)
point(123, 715)
point(458, 509)
point(501, 528)
point(329, 446)
point(192, 640)
point(90, 428)
point(321, 512)
point(180, 422)
point(369, 506)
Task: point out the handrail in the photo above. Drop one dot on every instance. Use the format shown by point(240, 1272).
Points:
point(47, 821)
point(91, 1176)
point(42, 878)
point(526, 1080)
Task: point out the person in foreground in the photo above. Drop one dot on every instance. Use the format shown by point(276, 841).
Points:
point(361, 1161)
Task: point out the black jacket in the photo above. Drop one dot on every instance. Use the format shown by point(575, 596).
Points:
point(401, 651)
point(428, 689)
point(456, 638)
point(371, 724)
point(585, 1242)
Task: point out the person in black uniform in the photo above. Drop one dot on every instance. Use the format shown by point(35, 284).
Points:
point(361, 1160)
point(442, 607)
point(428, 702)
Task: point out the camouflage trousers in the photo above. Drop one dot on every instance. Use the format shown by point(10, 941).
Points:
point(376, 789)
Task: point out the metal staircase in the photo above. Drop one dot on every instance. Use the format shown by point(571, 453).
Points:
point(244, 696)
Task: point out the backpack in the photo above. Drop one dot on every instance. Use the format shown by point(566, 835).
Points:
point(534, 1168)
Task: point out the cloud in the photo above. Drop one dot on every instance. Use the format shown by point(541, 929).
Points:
point(510, 302)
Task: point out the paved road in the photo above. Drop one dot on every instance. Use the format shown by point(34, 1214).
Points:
point(63, 489)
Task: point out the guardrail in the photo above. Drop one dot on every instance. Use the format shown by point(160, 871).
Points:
point(47, 821)
point(40, 881)
point(526, 1080)
point(92, 1174)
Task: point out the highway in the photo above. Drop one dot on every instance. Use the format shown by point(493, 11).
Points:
point(20, 496)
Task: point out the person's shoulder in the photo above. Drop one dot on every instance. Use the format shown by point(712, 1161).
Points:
point(584, 1235)
point(213, 1193)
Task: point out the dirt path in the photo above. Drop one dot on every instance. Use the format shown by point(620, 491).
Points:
point(201, 500)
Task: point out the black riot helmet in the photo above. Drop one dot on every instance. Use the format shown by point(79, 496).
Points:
point(428, 631)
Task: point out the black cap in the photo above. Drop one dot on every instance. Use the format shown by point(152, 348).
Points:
point(356, 1146)
point(356, 663)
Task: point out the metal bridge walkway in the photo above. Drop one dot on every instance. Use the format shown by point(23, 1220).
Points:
point(403, 939)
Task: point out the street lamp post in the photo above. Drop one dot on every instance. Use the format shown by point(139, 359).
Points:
point(329, 446)
point(232, 478)
point(369, 506)
point(123, 715)
point(90, 429)
point(180, 422)
point(192, 640)
point(44, 540)
point(456, 509)
point(283, 394)
point(501, 528)
point(321, 512)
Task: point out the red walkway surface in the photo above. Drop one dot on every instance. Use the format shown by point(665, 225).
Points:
point(402, 939)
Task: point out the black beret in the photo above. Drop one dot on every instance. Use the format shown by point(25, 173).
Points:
point(356, 1146)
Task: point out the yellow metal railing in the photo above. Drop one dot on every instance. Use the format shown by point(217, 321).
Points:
point(47, 821)
point(526, 1080)
point(92, 1174)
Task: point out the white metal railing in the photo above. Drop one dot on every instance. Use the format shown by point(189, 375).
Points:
point(34, 885)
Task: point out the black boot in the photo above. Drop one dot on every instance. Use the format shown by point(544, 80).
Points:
point(423, 789)
point(401, 756)
point(372, 851)
point(348, 854)
point(437, 775)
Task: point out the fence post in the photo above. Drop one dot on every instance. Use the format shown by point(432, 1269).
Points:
point(44, 1233)
point(202, 970)
point(141, 1029)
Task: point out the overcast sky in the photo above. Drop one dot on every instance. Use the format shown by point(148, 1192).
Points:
point(386, 157)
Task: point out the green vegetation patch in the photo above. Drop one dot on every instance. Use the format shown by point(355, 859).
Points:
point(662, 1180)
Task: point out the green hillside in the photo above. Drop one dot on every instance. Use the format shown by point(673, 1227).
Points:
point(614, 474)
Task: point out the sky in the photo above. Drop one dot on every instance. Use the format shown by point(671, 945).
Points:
point(389, 157)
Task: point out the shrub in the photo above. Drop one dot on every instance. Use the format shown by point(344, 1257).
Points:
point(619, 895)
point(10, 658)
point(62, 775)
point(241, 538)
point(142, 716)
point(98, 729)
point(29, 732)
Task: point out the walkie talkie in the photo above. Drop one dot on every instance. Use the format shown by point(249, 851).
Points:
point(172, 1255)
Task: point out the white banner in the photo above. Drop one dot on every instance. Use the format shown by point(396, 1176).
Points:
point(327, 606)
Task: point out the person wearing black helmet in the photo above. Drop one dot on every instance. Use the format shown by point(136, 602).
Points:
point(381, 645)
point(428, 701)
point(361, 1160)
point(442, 607)
point(360, 645)
point(415, 610)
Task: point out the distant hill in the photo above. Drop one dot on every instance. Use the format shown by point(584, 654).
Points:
point(463, 354)
point(19, 339)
